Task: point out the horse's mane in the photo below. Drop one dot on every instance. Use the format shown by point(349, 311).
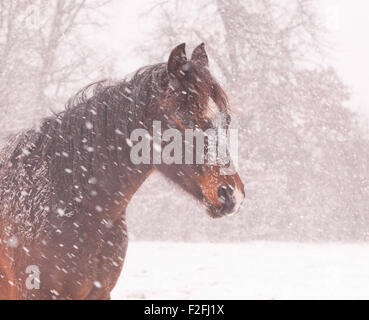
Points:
point(136, 88)
point(143, 78)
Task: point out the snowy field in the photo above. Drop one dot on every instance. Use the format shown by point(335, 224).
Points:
point(255, 270)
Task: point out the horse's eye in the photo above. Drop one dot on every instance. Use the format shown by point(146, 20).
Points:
point(187, 122)
point(209, 124)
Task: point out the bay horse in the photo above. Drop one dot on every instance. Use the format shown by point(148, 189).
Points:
point(65, 186)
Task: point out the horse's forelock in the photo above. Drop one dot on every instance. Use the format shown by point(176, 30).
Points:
point(207, 87)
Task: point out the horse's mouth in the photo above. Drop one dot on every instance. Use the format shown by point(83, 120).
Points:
point(217, 213)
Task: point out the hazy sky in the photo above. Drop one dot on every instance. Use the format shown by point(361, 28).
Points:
point(348, 49)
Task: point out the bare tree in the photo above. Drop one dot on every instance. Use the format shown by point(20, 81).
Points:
point(42, 52)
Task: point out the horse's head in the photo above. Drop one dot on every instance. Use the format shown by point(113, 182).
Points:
point(194, 100)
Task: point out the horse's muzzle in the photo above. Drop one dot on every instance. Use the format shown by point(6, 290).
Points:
point(231, 200)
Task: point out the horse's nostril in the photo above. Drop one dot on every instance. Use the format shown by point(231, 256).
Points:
point(225, 195)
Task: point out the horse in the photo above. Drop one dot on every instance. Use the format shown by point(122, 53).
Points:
point(65, 186)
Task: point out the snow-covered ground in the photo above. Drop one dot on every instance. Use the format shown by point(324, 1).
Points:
point(255, 270)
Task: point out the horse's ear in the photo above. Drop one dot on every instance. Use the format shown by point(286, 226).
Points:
point(177, 60)
point(199, 56)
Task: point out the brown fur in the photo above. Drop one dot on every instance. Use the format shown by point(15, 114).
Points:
point(64, 189)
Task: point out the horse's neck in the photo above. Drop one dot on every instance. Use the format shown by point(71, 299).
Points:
point(93, 163)
point(105, 198)
point(132, 182)
point(114, 192)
